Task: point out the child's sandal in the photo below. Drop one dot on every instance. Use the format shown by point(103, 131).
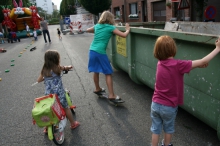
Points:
point(74, 125)
point(45, 130)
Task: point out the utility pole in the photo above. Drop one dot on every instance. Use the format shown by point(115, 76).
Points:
point(125, 11)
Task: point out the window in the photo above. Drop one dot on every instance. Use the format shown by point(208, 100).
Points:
point(160, 13)
point(133, 8)
point(163, 13)
point(156, 13)
point(117, 13)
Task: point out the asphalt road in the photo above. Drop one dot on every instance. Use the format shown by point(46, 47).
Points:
point(102, 124)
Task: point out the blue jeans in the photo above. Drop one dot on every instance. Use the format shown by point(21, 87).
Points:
point(163, 117)
point(48, 35)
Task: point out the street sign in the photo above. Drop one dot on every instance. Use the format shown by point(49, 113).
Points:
point(67, 20)
point(184, 4)
point(210, 12)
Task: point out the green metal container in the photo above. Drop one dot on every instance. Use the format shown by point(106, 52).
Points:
point(134, 55)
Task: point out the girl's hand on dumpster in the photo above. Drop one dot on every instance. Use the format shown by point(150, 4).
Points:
point(217, 43)
point(204, 65)
point(127, 27)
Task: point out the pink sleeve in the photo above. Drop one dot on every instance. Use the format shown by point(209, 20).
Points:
point(184, 66)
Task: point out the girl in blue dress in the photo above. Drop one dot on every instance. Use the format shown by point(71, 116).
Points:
point(98, 60)
point(51, 75)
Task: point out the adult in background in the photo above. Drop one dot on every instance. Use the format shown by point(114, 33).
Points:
point(44, 27)
point(28, 30)
point(2, 38)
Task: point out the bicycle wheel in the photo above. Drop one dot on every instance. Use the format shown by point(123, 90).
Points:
point(58, 137)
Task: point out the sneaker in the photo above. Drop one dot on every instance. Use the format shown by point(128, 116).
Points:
point(168, 145)
point(162, 143)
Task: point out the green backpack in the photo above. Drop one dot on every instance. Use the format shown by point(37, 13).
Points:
point(47, 110)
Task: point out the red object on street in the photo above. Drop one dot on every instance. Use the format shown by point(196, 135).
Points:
point(2, 50)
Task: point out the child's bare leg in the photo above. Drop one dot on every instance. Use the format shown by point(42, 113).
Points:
point(69, 115)
point(96, 81)
point(155, 139)
point(167, 139)
point(109, 83)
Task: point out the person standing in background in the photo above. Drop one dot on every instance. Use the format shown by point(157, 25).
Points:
point(35, 34)
point(58, 32)
point(28, 30)
point(44, 27)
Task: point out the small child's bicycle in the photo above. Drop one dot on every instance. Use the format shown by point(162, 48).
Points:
point(55, 120)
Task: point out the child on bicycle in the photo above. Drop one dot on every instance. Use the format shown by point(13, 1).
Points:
point(51, 75)
point(168, 93)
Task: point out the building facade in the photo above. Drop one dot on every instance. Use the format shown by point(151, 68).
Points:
point(46, 5)
point(158, 10)
point(54, 7)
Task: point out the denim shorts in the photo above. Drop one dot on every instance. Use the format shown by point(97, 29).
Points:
point(163, 117)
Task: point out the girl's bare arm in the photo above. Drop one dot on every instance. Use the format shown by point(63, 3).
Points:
point(66, 67)
point(90, 30)
point(123, 34)
point(205, 60)
point(40, 79)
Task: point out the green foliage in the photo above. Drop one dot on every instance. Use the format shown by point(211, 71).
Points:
point(25, 3)
point(71, 9)
point(62, 7)
point(67, 7)
point(54, 21)
point(5, 4)
point(96, 6)
point(41, 11)
point(56, 14)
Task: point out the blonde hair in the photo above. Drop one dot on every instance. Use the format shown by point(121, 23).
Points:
point(107, 18)
point(164, 48)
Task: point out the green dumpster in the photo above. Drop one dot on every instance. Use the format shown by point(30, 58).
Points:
point(134, 55)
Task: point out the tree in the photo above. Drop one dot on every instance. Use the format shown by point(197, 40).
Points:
point(62, 7)
point(67, 7)
point(71, 9)
point(96, 6)
point(41, 11)
point(4, 4)
point(56, 14)
point(199, 7)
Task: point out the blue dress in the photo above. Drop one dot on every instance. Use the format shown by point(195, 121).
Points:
point(98, 60)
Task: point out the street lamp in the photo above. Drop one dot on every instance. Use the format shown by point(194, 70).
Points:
point(45, 9)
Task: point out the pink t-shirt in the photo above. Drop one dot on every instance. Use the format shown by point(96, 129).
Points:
point(169, 81)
